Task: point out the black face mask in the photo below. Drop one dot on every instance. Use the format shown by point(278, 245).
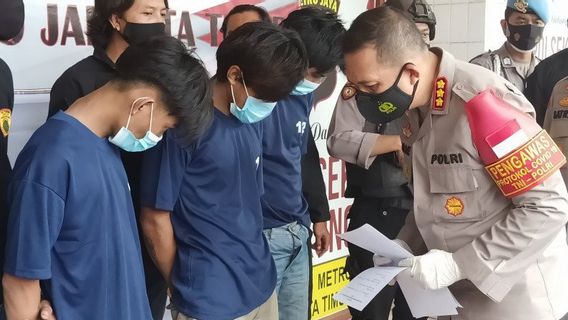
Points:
point(135, 33)
point(525, 37)
point(387, 106)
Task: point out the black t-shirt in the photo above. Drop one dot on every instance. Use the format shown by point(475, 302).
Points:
point(6, 105)
point(79, 80)
point(541, 82)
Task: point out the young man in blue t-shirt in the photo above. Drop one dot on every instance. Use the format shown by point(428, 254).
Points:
point(286, 217)
point(202, 215)
point(71, 228)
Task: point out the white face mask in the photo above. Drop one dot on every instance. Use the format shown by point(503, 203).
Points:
point(126, 140)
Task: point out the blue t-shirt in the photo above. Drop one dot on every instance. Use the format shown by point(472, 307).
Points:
point(284, 143)
point(223, 267)
point(72, 224)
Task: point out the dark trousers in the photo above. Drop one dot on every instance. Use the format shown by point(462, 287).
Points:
point(387, 216)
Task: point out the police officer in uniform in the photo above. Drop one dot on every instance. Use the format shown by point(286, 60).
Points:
point(556, 117)
point(541, 82)
point(523, 26)
point(496, 236)
point(375, 179)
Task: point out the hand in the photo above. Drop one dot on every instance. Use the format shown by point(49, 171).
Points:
point(434, 270)
point(323, 238)
point(45, 311)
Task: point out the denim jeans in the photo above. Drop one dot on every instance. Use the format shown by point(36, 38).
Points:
point(290, 250)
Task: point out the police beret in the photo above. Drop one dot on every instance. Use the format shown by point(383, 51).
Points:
point(540, 7)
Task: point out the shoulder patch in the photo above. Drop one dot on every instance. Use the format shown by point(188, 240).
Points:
point(5, 121)
point(348, 91)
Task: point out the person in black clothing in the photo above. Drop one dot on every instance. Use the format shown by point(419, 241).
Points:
point(541, 82)
point(11, 22)
point(112, 27)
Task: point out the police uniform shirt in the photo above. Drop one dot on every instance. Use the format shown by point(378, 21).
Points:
point(72, 224)
point(541, 82)
point(556, 119)
point(501, 62)
point(79, 80)
point(512, 252)
point(284, 142)
point(223, 267)
point(6, 105)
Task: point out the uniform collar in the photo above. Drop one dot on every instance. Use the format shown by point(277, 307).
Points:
point(508, 62)
point(442, 87)
point(101, 55)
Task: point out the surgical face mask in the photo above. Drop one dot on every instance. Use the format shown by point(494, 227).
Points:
point(135, 33)
point(306, 87)
point(384, 107)
point(126, 140)
point(254, 110)
point(524, 37)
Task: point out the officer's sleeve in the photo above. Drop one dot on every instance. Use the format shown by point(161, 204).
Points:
point(36, 215)
point(535, 93)
point(346, 140)
point(410, 234)
point(496, 259)
point(163, 169)
point(64, 92)
point(313, 186)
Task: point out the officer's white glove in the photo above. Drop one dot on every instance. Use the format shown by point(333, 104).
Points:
point(434, 270)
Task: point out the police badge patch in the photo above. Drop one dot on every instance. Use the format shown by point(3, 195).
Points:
point(5, 121)
point(521, 6)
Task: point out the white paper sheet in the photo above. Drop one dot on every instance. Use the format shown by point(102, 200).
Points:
point(372, 240)
point(424, 302)
point(361, 290)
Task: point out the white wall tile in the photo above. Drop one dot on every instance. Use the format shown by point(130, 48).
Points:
point(458, 22)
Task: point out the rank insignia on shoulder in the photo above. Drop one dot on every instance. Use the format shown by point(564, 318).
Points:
point(5, 121)
point(440, 94)
point(348, 91)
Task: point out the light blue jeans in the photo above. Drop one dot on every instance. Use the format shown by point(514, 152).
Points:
point(290, 250)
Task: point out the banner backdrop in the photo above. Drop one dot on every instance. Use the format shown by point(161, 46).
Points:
point(53, 39)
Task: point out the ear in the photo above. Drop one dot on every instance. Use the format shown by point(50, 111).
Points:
point(504, 27)
point(413, 72)
point(141, 103)
point(234, 75)
point(114, 22)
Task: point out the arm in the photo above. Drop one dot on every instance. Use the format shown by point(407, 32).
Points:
point(348, 142)
point(411, 236)
point(21, 297)
point(159, 238)
point(313, 186)
point(495, 260)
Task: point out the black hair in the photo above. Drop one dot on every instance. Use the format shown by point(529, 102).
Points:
point(322, 33)
point(182, 80)
point(99, 29)
point(272, 59)
point(389, 31)
point(262, 13)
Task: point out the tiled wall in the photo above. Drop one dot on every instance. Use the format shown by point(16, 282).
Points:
point(461, 27)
